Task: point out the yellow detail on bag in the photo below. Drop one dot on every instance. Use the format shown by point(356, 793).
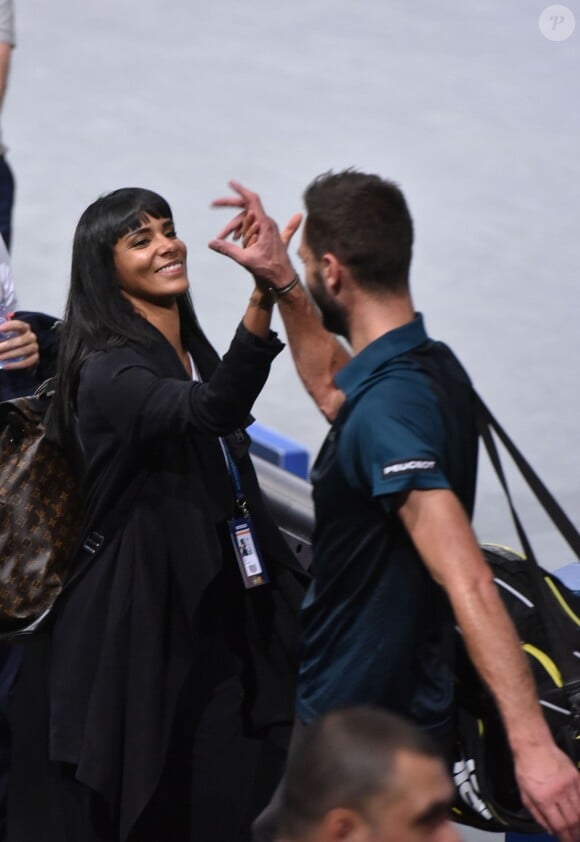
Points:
point(565, 607)
point(546, 662)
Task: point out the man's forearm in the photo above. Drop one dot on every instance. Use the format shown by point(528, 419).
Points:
point(441, 532)
point(318, 354)
point(495, 650)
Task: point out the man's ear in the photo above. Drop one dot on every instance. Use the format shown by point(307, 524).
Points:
point(331, 272)
point(343, 825)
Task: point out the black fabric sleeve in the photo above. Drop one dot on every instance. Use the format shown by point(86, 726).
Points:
point(125, 388)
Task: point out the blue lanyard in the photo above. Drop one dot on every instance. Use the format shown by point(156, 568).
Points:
point(236, 481)
point(232, 467)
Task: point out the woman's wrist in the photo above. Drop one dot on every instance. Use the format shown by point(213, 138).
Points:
point(264, 299)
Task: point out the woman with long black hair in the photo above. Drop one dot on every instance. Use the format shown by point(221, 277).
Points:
point(171, 642)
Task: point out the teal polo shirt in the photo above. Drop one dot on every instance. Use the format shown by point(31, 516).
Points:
point(376, 628)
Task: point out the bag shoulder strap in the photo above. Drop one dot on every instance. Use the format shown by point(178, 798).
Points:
point(486, 421)
point(562, 640)
point(90, 544)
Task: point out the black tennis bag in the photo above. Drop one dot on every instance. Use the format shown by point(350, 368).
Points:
point(546, 615)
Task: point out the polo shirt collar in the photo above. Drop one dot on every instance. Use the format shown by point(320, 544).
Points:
point(385, 348)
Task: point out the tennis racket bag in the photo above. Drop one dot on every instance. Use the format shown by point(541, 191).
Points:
point(546, 615)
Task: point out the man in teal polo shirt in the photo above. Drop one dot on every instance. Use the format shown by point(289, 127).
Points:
point(395, 561)
point(377, 627)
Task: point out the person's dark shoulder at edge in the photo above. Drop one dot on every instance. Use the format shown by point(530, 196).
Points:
point(24, 382)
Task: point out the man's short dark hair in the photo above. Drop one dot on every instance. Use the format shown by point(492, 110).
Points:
point(342, 760)
point(365, 222)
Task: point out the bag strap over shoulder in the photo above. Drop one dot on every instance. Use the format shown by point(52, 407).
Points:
point(91, 543)
point(562, 640)
point(558, 516)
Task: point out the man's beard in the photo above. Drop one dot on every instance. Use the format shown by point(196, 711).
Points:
point(333, 315)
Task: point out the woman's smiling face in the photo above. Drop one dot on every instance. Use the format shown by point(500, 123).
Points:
point(151, 262)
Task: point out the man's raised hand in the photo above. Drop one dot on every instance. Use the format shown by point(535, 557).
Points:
point(264, 247)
